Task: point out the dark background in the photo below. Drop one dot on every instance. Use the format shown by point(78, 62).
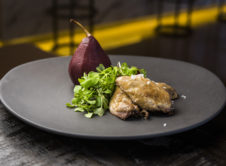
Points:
point(19, 18)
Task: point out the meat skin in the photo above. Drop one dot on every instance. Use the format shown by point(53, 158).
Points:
point(145, 93)
point(172, 92)
point(121, 105)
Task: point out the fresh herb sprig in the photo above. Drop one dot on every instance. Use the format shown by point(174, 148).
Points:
point(93, 94)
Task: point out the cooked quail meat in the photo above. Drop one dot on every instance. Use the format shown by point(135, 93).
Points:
point(172, 92)
point(145, 93)
point(121, 105)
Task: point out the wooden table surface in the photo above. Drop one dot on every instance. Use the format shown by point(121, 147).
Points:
point(21, 144)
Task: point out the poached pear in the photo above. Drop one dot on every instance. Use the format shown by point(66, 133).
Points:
point(87, 56)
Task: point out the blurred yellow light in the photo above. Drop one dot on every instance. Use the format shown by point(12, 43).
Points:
point(133, 31)
point(122, 33)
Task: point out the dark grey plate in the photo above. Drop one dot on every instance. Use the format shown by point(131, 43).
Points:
point(36, 92)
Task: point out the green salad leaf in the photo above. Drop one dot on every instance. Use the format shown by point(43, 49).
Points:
point(93, 94)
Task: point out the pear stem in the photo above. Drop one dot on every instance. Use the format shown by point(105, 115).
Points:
point(81, 26)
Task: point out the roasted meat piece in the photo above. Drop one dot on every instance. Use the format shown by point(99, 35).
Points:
point(134, 91)
point(145, 93)
point(121, 105)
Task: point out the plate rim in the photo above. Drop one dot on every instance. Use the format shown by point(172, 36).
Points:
point(95, 137)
